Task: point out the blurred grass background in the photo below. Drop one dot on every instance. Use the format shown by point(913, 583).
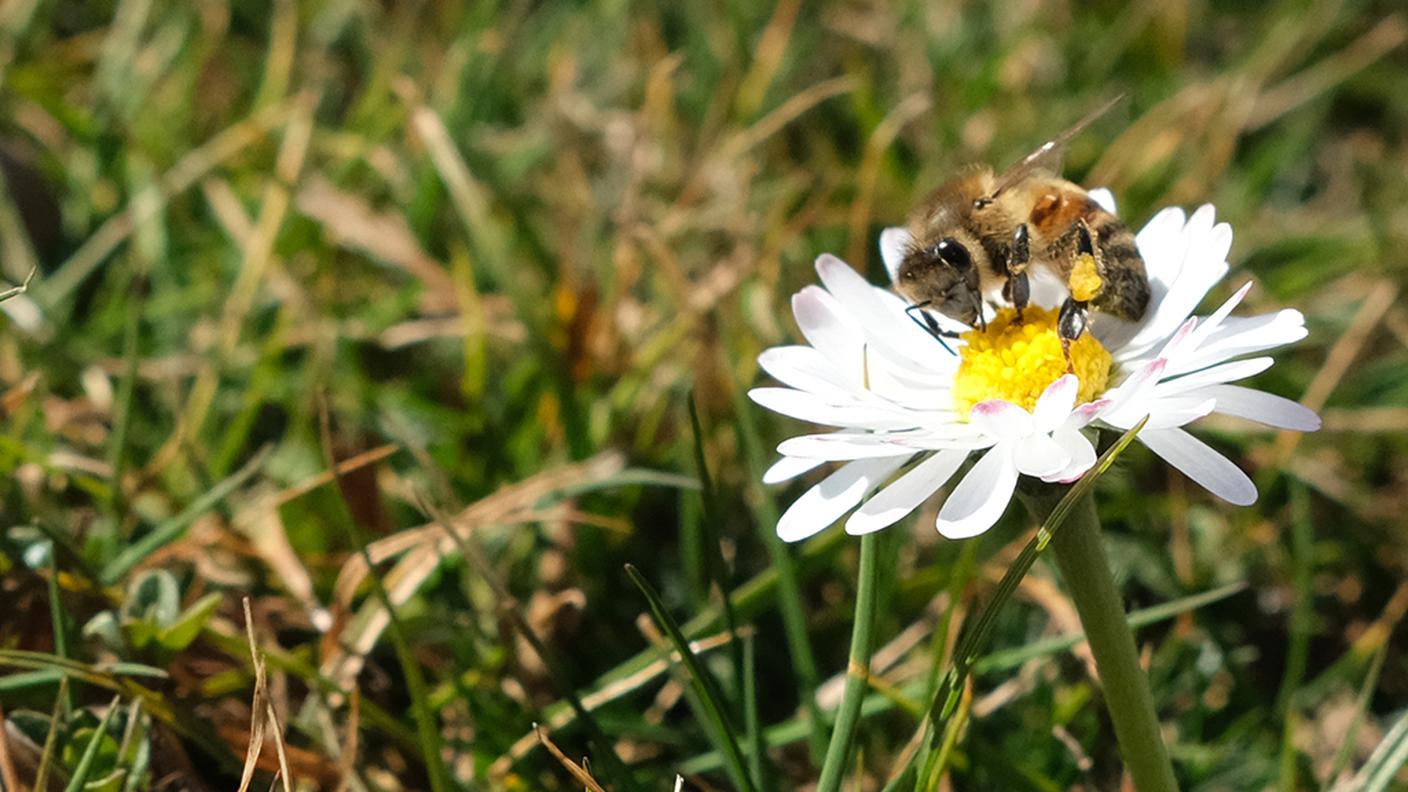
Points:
point(481, 259)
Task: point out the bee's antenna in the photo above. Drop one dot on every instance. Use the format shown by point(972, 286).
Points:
point(928, 324)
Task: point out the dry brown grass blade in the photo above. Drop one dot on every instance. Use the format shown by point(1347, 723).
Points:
point(386, 236)
point(1340, 357)
point(1334, 69)
point(7, 764)
point(599, 698)
point(258, 709)
point(424, 546)
point(261, 713)
point(228, 210)
point(786, 113)
point(344, 467)
point(578, 772)
point(185, 173)
point(258, 255)
point(884, 134)
point(767, 57)
point(347, 762)
point(264, 528)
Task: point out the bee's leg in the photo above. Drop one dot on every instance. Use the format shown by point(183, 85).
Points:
point(1085, 279)
point(1070, 325)
point(1017, 290)
point(930, 325)
point(1085, 244)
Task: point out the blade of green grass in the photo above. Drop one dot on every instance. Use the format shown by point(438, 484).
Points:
point(838, 750)
point(172, 529)
point(789, 591)
point(1387, 759)
point(1302, 614)
point(1012, 658)
point(750, 599)
point(374, 715)
point(974, 634)
point(508, 605)
point(46, 756)
point(752, 726)
point(90, 752)
point(426, 729)
point(56, 617)
point(710, 701)
point(122, 405)
point(795, 729)
point(103, 676)
point(1361, 706)
point(714, 566)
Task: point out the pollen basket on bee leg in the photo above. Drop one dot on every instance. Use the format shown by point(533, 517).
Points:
point(1085, 281)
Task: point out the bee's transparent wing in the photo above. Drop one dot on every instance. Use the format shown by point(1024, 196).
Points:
point(1048, 156)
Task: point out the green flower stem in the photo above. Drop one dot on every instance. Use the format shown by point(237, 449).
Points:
point(838, 752)
point(1080, 554)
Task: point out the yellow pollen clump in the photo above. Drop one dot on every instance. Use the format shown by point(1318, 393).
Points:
point(1085, 282)
point(1016, 361)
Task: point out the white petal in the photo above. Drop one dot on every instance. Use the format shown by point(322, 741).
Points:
point(1104, 197)
point(893, 503)
point(1038, 455)
point(1199, 462)
point(1241, 335)
point(1001, 419)
point(830, 329)
point(1055, 403)
point(981, 497)
point(1158, 235)
point(788, 468)
point(815, 409)
point(1223, 372)
point(842, 446)
point(835, 495)
point(1179, 340)
point(804, 368)
point(1129, 402)
point(1170, 412)
point(1048, 289)
point(1262, 327)
point(893, 244)
point(1208, 326)
point(1081, 451)
point(1264, 408)
point(1182, 270)
point(887, 328)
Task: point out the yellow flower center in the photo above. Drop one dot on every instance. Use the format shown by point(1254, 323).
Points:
point(1016, 361)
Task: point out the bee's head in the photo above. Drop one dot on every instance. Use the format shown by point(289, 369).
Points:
point(942, 276)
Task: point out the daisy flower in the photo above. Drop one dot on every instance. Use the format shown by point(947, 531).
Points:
point(907, 413)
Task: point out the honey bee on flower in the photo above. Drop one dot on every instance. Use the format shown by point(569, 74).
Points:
point(907, 415)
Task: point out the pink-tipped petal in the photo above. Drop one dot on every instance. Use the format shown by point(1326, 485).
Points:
point(1001, 419)
point(1055, 403)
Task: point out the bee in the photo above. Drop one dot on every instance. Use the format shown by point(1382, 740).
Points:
point(980, 237)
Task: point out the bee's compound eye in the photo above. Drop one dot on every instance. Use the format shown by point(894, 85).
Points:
point(953, 253)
